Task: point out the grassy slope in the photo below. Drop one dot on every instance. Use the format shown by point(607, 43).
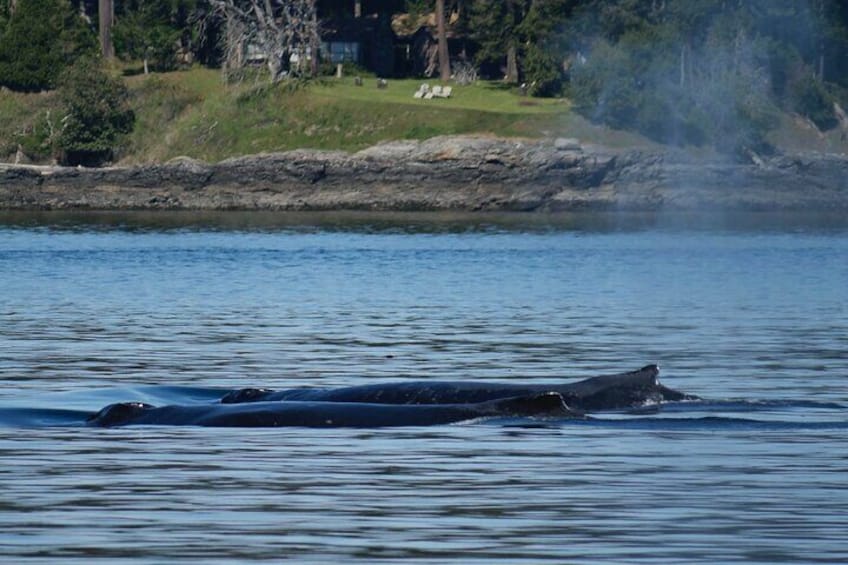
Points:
point(25, 119)
point(193, 113)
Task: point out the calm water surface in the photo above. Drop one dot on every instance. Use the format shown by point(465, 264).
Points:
point(749, 313)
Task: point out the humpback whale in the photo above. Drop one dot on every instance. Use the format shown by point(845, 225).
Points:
point(329, 414)
point(606, 392)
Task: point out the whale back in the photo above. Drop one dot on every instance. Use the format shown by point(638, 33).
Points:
point(606, 392)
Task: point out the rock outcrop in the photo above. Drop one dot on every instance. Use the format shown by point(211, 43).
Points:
point(446, 173)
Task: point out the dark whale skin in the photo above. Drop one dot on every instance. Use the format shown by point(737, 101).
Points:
point(606, 392)
point(328, 414)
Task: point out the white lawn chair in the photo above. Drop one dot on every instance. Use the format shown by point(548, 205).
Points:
point(422, 91)
point(435, 92)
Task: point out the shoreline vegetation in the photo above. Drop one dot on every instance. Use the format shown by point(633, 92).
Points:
point(333, 145)
point(193, 113)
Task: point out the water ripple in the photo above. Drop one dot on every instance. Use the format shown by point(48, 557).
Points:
point(100, 308)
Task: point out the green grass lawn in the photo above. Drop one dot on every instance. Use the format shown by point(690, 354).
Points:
point(481, 96)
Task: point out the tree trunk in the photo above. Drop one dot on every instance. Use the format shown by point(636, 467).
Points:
point(106, 14)
point(235, 44)
point(444, 57)
point(511, 65)
point(315, 43)
point(274, 63)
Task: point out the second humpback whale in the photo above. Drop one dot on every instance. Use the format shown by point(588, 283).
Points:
point(606, 392)
point(327, 414)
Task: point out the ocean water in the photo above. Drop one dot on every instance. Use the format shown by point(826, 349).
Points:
point(748, 312)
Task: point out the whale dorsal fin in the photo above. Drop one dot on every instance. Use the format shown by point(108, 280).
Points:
point(117, 414)
point(550, 403)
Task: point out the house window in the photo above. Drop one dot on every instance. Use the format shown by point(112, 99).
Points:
point(341, 51)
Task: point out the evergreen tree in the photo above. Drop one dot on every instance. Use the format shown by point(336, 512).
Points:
point(525, 38)
point(544, 49)
point(42, 38)
point(495, 25)
point(4, 16)
point(152, 31)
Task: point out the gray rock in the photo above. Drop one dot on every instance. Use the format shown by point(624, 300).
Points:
point(461, 172)
point(567, 144)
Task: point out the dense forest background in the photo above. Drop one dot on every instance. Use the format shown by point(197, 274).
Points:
point(682, 72)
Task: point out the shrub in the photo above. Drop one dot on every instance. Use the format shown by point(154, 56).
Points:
point(809, 97)
point(97, 114)
point(36, 141)
point(605, 88)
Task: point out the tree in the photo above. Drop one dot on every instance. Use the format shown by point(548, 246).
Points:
point(495, 24)
point(282, 32)
point(42, 38)
point(543, 49)
point(149, 31)
point(7, 8)
point(97, 114)
point(523, 36)
point(5, 12)
point(678, 73)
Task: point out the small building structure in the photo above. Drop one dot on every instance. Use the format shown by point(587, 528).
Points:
point(380, 36)
point(360, 32)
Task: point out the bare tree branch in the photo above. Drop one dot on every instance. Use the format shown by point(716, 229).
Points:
point(282, 33)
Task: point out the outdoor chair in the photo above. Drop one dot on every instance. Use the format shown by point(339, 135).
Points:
point(422, 91)
point(436, 91)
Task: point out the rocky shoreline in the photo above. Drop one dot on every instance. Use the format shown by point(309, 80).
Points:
point(445, 173)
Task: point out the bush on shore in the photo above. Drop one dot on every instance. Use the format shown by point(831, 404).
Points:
point(97, 115)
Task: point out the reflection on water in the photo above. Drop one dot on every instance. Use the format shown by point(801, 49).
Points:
point(420, 222)
point(181, 306)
